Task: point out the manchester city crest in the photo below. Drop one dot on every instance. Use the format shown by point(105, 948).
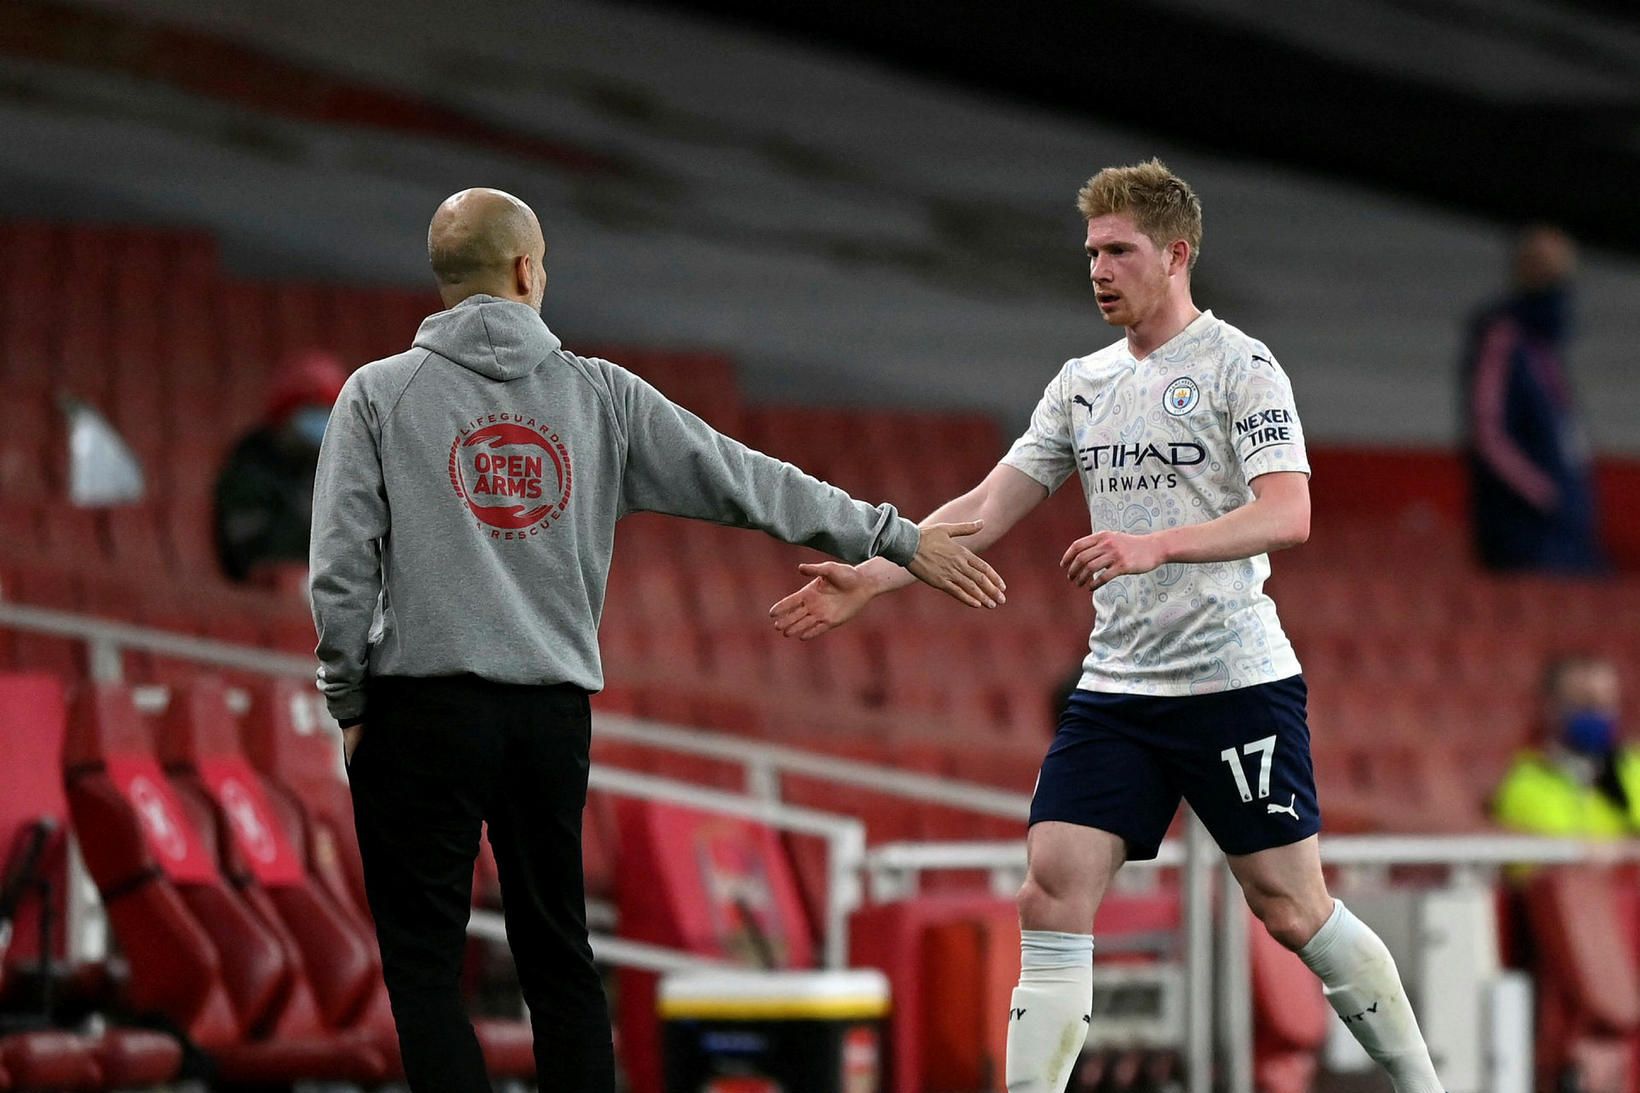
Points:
point(1181, 396)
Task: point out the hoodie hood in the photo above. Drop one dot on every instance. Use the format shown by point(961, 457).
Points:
point(500, 339)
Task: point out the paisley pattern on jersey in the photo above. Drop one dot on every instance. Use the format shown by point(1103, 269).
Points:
point(1151, 458)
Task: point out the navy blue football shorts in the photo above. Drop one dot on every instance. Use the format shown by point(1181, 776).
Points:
point(1122, 762)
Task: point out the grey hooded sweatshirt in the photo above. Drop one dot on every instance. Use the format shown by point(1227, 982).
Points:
point(465, 504)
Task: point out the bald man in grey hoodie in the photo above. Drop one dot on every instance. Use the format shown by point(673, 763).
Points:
point(464, 514)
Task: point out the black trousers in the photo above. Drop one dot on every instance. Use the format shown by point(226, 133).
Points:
point(439, 758)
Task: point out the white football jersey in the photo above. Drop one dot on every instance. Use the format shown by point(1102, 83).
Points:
point(1172, 440)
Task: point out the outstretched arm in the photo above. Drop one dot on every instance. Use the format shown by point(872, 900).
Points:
point(838, 592)
point(680, 465)
point(1276, 518)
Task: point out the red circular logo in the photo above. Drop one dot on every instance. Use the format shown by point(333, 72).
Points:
point(513, 472)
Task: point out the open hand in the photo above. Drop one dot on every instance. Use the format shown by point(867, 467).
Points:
point(943, 563)
point(1093, 560)
point(837, 593)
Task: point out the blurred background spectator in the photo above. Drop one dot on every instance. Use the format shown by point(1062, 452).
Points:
point(1579, 778)
point(264, 495)
point(1531, 479)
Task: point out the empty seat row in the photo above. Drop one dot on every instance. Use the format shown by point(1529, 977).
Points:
point(33, 841)
point(232, 890)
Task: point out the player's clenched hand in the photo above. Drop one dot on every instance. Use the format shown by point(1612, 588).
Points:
point(943, 563)
point(1094, 559)
point(837, 593)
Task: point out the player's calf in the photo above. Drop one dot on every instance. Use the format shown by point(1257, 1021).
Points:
point(1049, 1012)
point(1363, 986)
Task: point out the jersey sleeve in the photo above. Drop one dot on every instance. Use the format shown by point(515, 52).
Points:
point(1264, 425)
point(1047, 450)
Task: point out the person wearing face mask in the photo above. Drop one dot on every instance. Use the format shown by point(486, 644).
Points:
point(264, 492)
point(1531, 488)
point(1581, 781)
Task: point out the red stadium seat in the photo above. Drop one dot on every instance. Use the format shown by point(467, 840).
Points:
point(244, 320)
point(32, 724)
point(47, 1059)
point(703, 383)
point(1290, 1016)
point(291, 741)
point(33, 822)
point(720, 596)
point(129, 1058)
point(197, 953)
point(705, 884)
point(1588, 989)
point(30, 316)
point(299, 317)
point(198, 744)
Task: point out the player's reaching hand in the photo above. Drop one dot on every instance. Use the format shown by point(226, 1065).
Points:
point(943, 563)
point(1094, 559)
point(837, 593)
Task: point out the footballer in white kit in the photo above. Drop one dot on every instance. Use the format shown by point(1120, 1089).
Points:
point(1189, 451)
point(1189, 688)
point(1173, 439)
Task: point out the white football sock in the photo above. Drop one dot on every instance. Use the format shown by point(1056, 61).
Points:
point(1051, 1008)
point(1364, 987)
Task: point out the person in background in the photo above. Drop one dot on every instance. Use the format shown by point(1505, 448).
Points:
point(1581, 780)
point(264, 494)
point(1531, 488)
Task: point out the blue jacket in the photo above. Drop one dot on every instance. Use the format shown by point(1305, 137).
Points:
point(1532, 492)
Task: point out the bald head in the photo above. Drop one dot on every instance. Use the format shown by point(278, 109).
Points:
point(487, 241)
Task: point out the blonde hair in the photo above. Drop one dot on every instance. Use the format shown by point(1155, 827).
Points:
point(1162, 204)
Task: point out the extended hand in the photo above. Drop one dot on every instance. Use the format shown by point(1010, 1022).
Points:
point(837, 593)
point(943, 563)
point(1094, 559)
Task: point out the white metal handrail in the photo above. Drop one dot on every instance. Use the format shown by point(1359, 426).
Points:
point(762, 759)
point(105, 639)
point(491, 926)
point(891, 865)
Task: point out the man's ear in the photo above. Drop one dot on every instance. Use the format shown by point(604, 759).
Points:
point(1178, 256)
point(521, 275)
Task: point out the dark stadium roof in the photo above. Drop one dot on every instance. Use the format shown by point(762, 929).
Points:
point(1539, 100)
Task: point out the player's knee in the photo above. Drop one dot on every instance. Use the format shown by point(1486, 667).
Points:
point(1049, 907)
point(1033, 902)
point(1286, 926)
point(1290, 920)
point(1056, 896)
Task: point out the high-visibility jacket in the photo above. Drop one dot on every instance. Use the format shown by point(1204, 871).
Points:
point(1539, 797)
